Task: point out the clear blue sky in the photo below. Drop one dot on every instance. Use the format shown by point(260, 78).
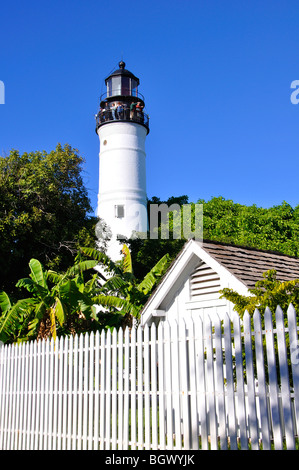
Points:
point(215, 74)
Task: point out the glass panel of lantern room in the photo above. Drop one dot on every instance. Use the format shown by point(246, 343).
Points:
point(116, 86)
point(125, 86)
point(134, 87)
point(109, 87)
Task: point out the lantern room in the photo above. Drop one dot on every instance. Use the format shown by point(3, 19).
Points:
point(122, 100)
point(122, 82)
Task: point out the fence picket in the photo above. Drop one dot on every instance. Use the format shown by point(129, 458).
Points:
point(252, 412)
point(240, 392)
point(80, 391)
point(85, 393)
point(262, 393)
point(219, 384)
point(51, 393)
point(97, 390)
point(146, 388)
point(285, 382)
point(185, 411)
point(230, 383)
point(212, 416)
point(75, 395)
point(55, 394)
point(65, 393)
point(45, 395)
point(175, 364)
point(113, 392)
point(273, 384)
point(102, 391)
point(16, 370)
point(91, 391)
point(154, 423)
point(120, 388)
point(192, 380)
point(293, 337)
point(8, 396)
point(201, 382)
point(69, 393)
point(178, 385)
point(133, 390)
point(20, 398)
point(38, 423)
point(107, 393)
point(126, 391)
point(140, 386)
point(168, 386)
point(161, 393)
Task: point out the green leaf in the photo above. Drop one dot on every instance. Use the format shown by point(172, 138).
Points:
point(154, 275)
point(37, 272)
point(115, 283)
point(124, 306)
point(4, 301)
point(59, 311)
point(80, 267)
point(10, 318)
point(101, 258)
point(127, 263)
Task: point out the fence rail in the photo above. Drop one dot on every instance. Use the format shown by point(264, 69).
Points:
point(193, 385)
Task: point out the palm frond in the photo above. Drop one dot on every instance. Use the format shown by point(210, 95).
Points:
point(124, 306)
point(59, 311)
point(150, 280)
point(37, 272)
point(10, 318)
point(115, 283)
point(32, 286)
point(101, 258)
point(80, 267)
point(4, 301)
point(54, 277)
point(127, 262)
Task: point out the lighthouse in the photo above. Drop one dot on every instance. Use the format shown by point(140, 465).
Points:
point(122, 127)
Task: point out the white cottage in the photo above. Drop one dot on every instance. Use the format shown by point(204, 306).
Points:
point(192, 283)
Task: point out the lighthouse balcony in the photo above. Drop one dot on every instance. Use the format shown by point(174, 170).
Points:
point(122, 108)
point(123, 115)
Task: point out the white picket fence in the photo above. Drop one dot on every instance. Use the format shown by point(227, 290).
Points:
point(182, 386)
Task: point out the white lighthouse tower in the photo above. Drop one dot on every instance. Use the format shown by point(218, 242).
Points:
point(122, 127)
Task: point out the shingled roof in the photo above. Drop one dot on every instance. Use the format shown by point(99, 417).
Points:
point(249, 264)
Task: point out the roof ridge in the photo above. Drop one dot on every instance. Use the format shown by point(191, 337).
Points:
point(250, 248)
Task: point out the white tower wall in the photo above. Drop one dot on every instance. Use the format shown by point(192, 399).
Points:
point(122, 180)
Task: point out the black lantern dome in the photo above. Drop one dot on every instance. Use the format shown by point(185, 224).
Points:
point(122, 101)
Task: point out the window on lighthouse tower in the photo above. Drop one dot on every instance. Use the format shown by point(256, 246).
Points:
point(119, 211)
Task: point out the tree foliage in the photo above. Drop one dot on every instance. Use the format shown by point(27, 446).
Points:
point(79, 299)
point(268, 292)
point(44, 211)
point(275, 228)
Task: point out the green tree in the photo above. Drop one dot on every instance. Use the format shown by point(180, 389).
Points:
point(78, 300)
point(268, 292)
point(56, 300)
point(275, 228)
point(44, 211)
point(122, 295)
